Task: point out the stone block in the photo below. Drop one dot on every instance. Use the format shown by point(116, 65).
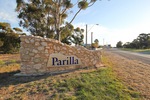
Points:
point(27, 41)
point(43, 43)
point(37, 60)
point(26, 58)
point(32, 41)
point(37, 66)
point(40, 48)
point(35, 51)
point(37, 44)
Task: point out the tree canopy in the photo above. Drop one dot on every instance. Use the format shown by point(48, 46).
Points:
point(77, 36)
point(141, 42)
point(119, 44)
point(46, 18)
point(9, 39)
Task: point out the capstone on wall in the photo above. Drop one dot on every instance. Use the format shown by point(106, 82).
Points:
point(35, 54)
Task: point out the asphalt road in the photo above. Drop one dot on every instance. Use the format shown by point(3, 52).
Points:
point(145, 58)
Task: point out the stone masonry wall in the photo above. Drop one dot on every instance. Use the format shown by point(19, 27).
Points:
point(35, 52)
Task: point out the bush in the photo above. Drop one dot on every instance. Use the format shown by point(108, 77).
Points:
point(11, 43)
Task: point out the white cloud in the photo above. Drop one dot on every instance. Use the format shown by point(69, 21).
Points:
point(10, 17)
point(7, 12)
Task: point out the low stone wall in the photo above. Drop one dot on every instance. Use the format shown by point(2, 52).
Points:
point(35, 55)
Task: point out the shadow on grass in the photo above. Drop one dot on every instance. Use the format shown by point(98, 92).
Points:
point(8, 78)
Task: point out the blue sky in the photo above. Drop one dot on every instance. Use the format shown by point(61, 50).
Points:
point(119, 20)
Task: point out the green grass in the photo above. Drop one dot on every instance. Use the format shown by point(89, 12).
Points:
point(144, 51)
point(13, 61)
point(2, 62)
point(96, 85)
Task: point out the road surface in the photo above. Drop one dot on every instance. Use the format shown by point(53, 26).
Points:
point(145, 58)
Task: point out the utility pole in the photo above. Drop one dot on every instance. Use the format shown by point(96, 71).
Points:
point(86, 36)
point(87, 32)
point(103, 41)
point(91, 38)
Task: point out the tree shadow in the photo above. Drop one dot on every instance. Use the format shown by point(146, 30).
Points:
point(9, 78)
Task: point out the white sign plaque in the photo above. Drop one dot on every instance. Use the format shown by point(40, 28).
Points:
point(58, 59)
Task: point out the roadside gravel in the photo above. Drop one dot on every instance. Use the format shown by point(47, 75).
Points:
point(134, 73)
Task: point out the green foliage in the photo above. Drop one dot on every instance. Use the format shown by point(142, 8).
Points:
point(66, 32)
point(83, 4)
point(17, 29)
point(5, 27)
point(67, 4)
point(11, 43)
point(141, 42)
point(119, 44)
point(77, 37)
point(9, 40)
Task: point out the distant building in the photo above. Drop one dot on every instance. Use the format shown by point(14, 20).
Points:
point(88, 46)
point(107, 46)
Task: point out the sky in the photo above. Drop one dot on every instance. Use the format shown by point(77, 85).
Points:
point(119, 20)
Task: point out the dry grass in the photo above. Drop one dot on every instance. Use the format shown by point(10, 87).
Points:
point(9, 68)
point(8, 57)
point(134, 73)
point(79, 85)
point(9, 63)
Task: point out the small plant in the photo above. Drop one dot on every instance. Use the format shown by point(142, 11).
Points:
point(2, 62)
point(13, 61)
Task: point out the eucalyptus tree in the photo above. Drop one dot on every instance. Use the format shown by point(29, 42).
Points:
point(143, 39)
point(47, 17)
point(141, 42)
point(77, 36)
point(119, 44)
point(5, 27)
point(32, 16)
point(9, 39)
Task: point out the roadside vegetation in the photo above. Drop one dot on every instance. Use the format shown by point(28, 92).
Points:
point(9, 38)
point(88, 84)
point(133, 73)
point(141, 42)
point(143, 51)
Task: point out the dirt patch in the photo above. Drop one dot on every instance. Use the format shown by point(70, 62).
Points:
point(133, 73)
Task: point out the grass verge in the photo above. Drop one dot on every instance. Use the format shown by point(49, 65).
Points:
point(144, 51)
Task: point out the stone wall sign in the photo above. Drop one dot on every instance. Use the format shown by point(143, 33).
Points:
point(42, 55)
point(58, 59)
